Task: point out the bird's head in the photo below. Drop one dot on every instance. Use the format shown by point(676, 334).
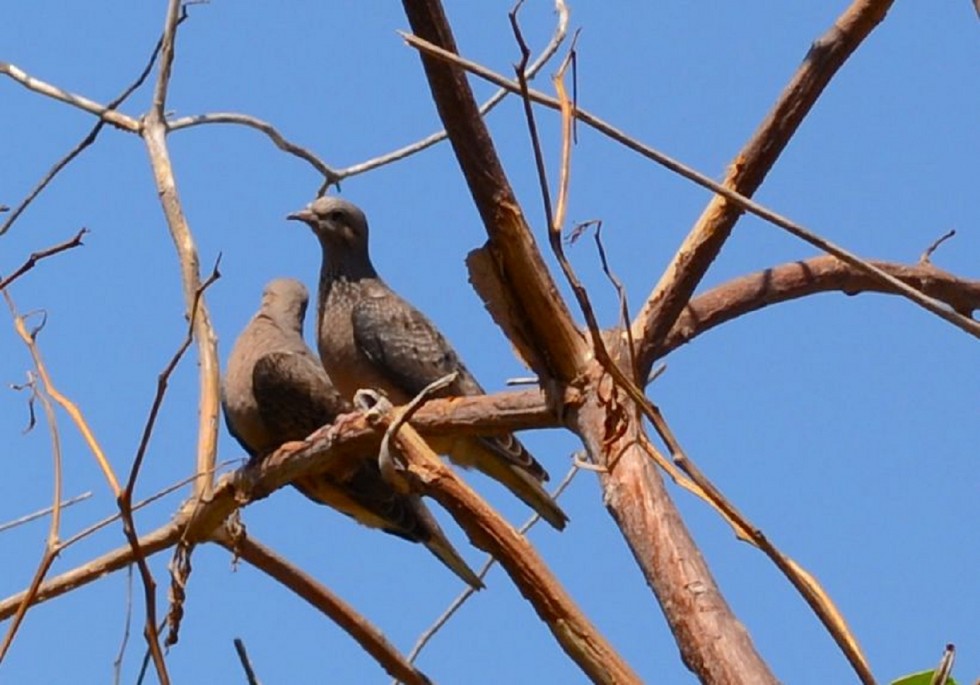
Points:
point(284, 300)
point(340, 225)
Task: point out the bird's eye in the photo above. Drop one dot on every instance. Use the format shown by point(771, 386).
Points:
point(335, 215)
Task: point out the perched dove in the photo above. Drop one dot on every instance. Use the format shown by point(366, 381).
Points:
point(369, 337)
point(276, 391)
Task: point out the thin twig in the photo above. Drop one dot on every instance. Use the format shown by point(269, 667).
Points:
point(44, 512)
point(51, 544)
point(87, 140)
point(556, 218)
point(99, 525)
point(624, 307)
point(35, 257)
point(163, 379)
point(246, 663)
point(488, 564)
point(124, 500)
point(944, 671)
point(70, 407)
point(926, 257)
point(329, 173)
point(385, 461)
point(117, 664)
point(561, 30)
point(965, 324)
point(336, 609)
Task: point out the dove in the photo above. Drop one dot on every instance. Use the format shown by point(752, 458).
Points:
point(275, 391)
point(368, 336)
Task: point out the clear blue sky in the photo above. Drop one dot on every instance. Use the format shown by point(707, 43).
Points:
point(846, 428)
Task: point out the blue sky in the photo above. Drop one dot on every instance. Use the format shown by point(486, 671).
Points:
point(845, 428)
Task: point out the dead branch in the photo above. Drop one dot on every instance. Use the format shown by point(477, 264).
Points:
point(35, 257)
point(106, 114)
point(487, 530)
point(509, 272)
point(799, 279)
point(330, 174)
point(30, 340)
point(318, 595)
point(561, 30)
point(27, 518)
point(88, 139)
point(714, 645)
point(488, 564)
point(747, 171)
point(154, 135)
point(51, 544)
point(737, 199)
point(245, 661)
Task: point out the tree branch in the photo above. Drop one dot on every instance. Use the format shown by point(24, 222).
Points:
point(107, 114)
point(799, 279)
point(318, 595)
point(154, 135)
point(747, 171)
point(582, 642)
point(509, 272)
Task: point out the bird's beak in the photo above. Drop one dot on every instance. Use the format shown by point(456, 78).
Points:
point(304, 215)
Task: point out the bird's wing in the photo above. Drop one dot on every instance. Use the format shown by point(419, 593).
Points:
point(294, 394)
point(405, 347)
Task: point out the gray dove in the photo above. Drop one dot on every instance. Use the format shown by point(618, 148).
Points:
point(276, 391)
point(369, 337)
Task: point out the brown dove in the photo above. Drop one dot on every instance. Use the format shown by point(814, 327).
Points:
point(276, 391)
point(369, 337)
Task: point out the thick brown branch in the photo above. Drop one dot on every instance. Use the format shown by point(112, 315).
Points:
point(714, 645)
point(799, 279)
point(511, 275)
point(736, 198)
point(332, 447)
point(746, 173)
point(336, 609)
point(488, 531)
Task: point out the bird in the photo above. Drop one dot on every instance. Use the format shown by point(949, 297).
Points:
point(368, 336)
point(276, 391)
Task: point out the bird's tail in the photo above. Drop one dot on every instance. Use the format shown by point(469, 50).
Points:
point(437, 543)
point(514, 476)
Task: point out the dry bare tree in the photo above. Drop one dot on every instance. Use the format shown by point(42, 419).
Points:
point(591, 381)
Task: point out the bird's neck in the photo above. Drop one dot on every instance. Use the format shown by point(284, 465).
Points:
point(349, 266)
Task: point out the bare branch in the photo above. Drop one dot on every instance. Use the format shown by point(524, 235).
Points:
point(799, 279)
point(117, 663)
point(246, 663)
point(27, 518)
point(70, 407)
point(926, 257)
point(509, 273)
point(747, 172)
point(580, 640)
point(330, 174)
point(490, 562)
point(104, 113)
point(51, 545)
point(86, 141)
point(644, 361)
point(561, 29)
point(35, 257)
point(154, 135)
point(336, 609)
